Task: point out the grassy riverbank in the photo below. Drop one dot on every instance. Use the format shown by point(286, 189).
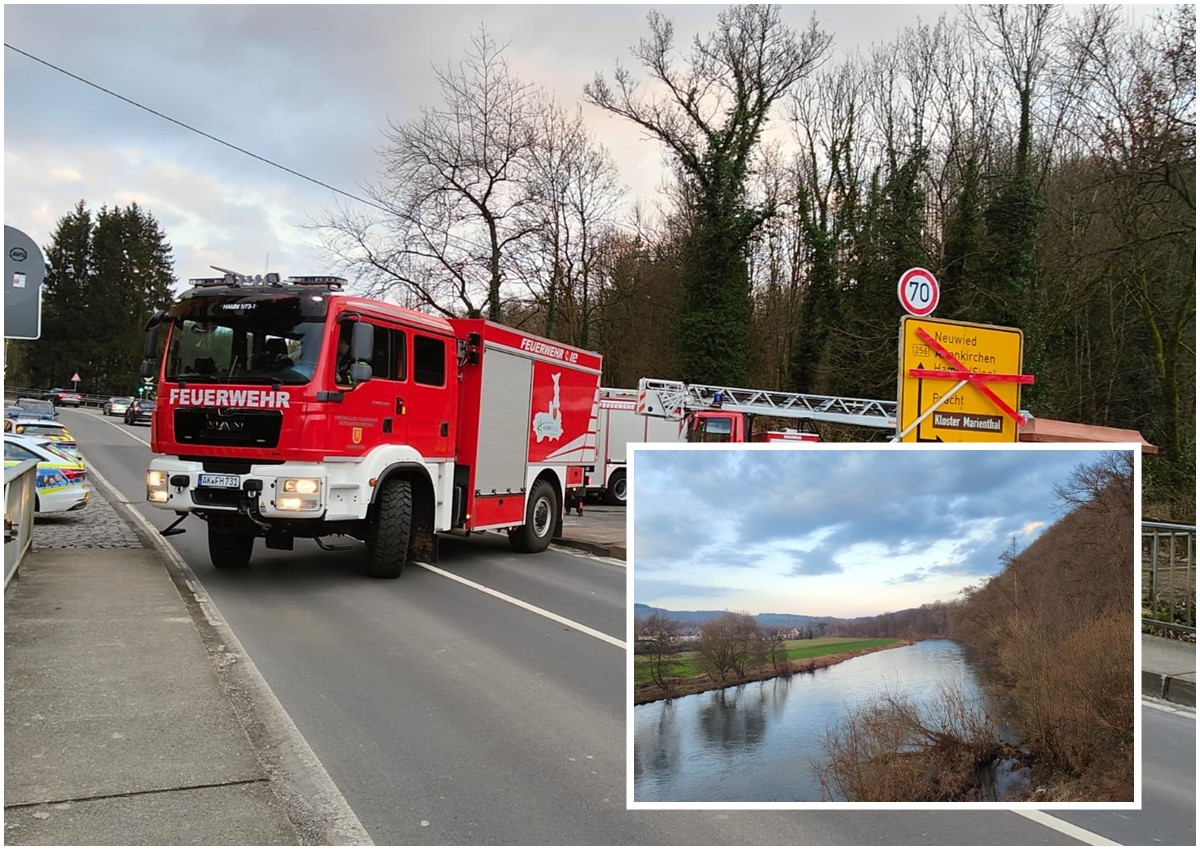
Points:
point(802, 656)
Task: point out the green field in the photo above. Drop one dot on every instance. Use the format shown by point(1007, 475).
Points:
point(687, 664)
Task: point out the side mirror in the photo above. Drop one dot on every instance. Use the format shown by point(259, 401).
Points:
point(362, 342)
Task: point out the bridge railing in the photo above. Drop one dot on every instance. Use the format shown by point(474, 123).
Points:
point(20, 493)
point(1169, 577)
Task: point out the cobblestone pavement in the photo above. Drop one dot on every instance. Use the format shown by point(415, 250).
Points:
point(98, 526)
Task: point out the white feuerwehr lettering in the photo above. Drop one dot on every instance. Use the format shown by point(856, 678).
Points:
point(214, 397)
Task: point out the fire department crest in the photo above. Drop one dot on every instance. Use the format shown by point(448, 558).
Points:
point(356, 435)
point(547, 424)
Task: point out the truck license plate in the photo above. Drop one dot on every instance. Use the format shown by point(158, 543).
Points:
point(208, 479)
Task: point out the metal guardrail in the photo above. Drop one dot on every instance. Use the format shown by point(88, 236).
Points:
point(1169, 577)
point(20, 492)
point(88, 399)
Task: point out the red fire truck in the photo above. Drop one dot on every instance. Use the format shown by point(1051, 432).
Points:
point(289, 408)
point(618, 425)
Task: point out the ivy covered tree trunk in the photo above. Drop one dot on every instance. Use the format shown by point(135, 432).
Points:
point(712, 121)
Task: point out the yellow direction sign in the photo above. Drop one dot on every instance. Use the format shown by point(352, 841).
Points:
point(959, 382)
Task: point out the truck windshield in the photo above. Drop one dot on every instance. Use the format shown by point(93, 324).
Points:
point(247, 341)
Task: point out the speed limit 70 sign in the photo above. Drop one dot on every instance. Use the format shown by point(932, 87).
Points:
point(919, 292)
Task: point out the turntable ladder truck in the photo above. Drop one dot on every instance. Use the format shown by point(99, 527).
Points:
point(720, 414)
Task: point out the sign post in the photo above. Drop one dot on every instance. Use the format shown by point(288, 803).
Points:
point(959, 382)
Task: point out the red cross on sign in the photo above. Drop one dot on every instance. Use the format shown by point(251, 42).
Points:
point(959, 382)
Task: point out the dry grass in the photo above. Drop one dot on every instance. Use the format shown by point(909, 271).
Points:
point(889, 751)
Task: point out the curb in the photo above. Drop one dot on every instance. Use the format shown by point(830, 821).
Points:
point(601, 549)
point(1169, 688)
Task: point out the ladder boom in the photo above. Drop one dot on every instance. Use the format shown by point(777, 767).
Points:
point(673, 400)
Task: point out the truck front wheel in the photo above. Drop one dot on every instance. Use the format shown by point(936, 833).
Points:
point(227, 550)
point(541, 518)
point(617, 490)
point(387, 546)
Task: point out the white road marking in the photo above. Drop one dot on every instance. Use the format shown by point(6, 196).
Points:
point(511, 600)
point(1068, 829)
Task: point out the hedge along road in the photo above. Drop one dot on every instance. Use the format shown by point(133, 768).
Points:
point(446, 715)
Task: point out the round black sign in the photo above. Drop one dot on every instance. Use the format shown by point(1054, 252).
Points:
point(18, 255)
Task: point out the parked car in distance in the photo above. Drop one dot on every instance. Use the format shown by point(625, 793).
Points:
point(36, 408)
point(64, 398)
point(117, 405)
point(139, 411)
point(55, 432)
point(61, 479)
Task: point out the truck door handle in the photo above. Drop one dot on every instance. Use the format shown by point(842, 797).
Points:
point(387, 425)
point(399, 406)
point(445, 429)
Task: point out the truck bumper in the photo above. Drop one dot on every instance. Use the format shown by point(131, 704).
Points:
point(287, 491)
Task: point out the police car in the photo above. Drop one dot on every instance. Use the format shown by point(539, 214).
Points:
point(61, 479)
point(55, 432)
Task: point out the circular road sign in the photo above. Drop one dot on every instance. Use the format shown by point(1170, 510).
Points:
point(919, 292)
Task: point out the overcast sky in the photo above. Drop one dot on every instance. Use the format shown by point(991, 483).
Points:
point(832, 531)
point(306, 86)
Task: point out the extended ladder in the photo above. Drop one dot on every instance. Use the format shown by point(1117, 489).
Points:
point(673, 399)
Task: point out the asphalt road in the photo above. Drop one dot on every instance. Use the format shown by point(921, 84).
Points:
point(447, 715)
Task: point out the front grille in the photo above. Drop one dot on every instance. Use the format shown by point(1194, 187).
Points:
point(213, 426)
point(216, 497)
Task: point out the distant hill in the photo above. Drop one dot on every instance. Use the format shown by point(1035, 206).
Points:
point(888, 623)
point(786, 621)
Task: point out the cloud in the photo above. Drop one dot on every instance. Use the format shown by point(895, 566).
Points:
point(1030, 528)
point(816, 568)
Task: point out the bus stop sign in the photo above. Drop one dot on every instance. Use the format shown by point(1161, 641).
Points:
point(24, 271)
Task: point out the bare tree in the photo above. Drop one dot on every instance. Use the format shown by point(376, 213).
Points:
point(659, 636)
point(728, 644)
point(456, 184)
point(577, 193)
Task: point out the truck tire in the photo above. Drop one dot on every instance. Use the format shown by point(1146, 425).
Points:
point(387, 548)
point(541, 518)
point(617, 490)
point(227, 550)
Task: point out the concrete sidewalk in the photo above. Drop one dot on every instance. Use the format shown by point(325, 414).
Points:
point(126, 710)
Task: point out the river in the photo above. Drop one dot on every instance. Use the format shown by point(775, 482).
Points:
point(759, 742)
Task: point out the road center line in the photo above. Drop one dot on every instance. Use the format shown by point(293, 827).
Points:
point(541, 612)
point(1067, 828)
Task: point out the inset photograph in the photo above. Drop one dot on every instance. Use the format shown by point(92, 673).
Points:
point(836, 626)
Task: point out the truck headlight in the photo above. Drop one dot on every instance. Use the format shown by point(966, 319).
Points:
point(156, 486)
point(298, 494)
point(302, 486)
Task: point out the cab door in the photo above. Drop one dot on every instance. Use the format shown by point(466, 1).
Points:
point(372, 413)
point(432, 394)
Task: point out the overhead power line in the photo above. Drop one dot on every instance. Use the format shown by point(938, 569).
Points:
point(196, 130)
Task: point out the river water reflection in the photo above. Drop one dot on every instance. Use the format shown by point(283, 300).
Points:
point(759, 742)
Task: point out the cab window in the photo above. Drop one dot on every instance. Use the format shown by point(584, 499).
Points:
point(389, 360)
point(429, 361)
point(711, 430)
